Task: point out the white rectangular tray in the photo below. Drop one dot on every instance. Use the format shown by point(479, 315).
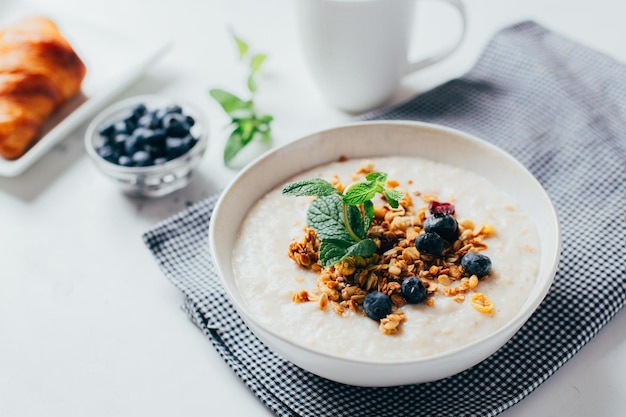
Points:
point(114, 61)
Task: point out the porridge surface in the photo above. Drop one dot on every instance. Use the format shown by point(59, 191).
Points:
point(267, 277)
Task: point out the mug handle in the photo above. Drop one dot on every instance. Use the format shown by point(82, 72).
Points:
point(425, 62)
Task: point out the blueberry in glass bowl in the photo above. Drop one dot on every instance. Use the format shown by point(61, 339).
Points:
point(148, 144)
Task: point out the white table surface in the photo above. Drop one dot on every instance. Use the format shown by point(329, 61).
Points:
point(88, 324)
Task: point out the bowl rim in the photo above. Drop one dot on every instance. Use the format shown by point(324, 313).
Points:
point(201, 126)
point(540, 289)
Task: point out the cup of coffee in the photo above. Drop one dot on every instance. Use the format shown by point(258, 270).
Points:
point(357, 50)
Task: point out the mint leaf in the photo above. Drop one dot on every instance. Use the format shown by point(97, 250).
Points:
point(266, 119)
point(359, 193)
point(247, 128)
point(312, 187)
point(393, 197)
point(266, 134)
point(368, 215)
point(234, 144)
point(333, 251)
point(228, 101)
point(355, 220)
point(256, 62)
point(379, 177)
point(242, 47)
point(365, 247)
point(326, 217)
point(252, 83)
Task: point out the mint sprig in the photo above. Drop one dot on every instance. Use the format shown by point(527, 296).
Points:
point(341, 220)
point(246, 123)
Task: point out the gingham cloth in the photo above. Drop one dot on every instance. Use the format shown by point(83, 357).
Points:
point(557, 106)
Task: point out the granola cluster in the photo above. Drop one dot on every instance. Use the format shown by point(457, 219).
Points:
point(344, 286)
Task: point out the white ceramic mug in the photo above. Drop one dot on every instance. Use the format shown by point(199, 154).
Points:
point(357, 50)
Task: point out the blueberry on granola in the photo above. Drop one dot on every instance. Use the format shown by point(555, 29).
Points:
point(444, 225)
point(430, 243)
point(413, 290)
point(476, 264)
point(377, 305)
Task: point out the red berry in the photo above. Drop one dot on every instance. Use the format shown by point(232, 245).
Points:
point(437, 208)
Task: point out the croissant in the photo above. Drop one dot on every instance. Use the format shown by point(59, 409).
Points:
point(39, 71)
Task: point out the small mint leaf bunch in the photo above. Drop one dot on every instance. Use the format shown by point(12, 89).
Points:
point(247, 124)
point(342, 220)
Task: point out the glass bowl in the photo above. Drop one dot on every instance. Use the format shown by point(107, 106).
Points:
point(154, 180)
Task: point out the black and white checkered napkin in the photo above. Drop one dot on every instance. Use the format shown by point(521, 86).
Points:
point(557, 106)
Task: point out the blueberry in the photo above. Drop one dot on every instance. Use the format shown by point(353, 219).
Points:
point(173, 108)
point(430, 243)
point(160, 114)
point(107, 152)
point(148, 120)
point(174, 147)
point(413, 290)
point(143, 134)
point(156, 137)
point(175, 124)
point(377, 305)
point(160, 160)
point(131, 145)
point(125, 161)
point(131, 123)
point(107, 130)
point(119, 141)
point(142, 159)
point(139, 110)
point(444, 225)
point(189, 141)
point(155, 151)
point(476, 264)
point(121, 127)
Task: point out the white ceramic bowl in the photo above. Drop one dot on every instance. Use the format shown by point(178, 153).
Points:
point(151, 180)
point(372, 139)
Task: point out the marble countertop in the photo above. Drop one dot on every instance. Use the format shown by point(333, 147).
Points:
point(88, 324)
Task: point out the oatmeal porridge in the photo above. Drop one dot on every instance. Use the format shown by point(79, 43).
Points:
point(287, 289)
